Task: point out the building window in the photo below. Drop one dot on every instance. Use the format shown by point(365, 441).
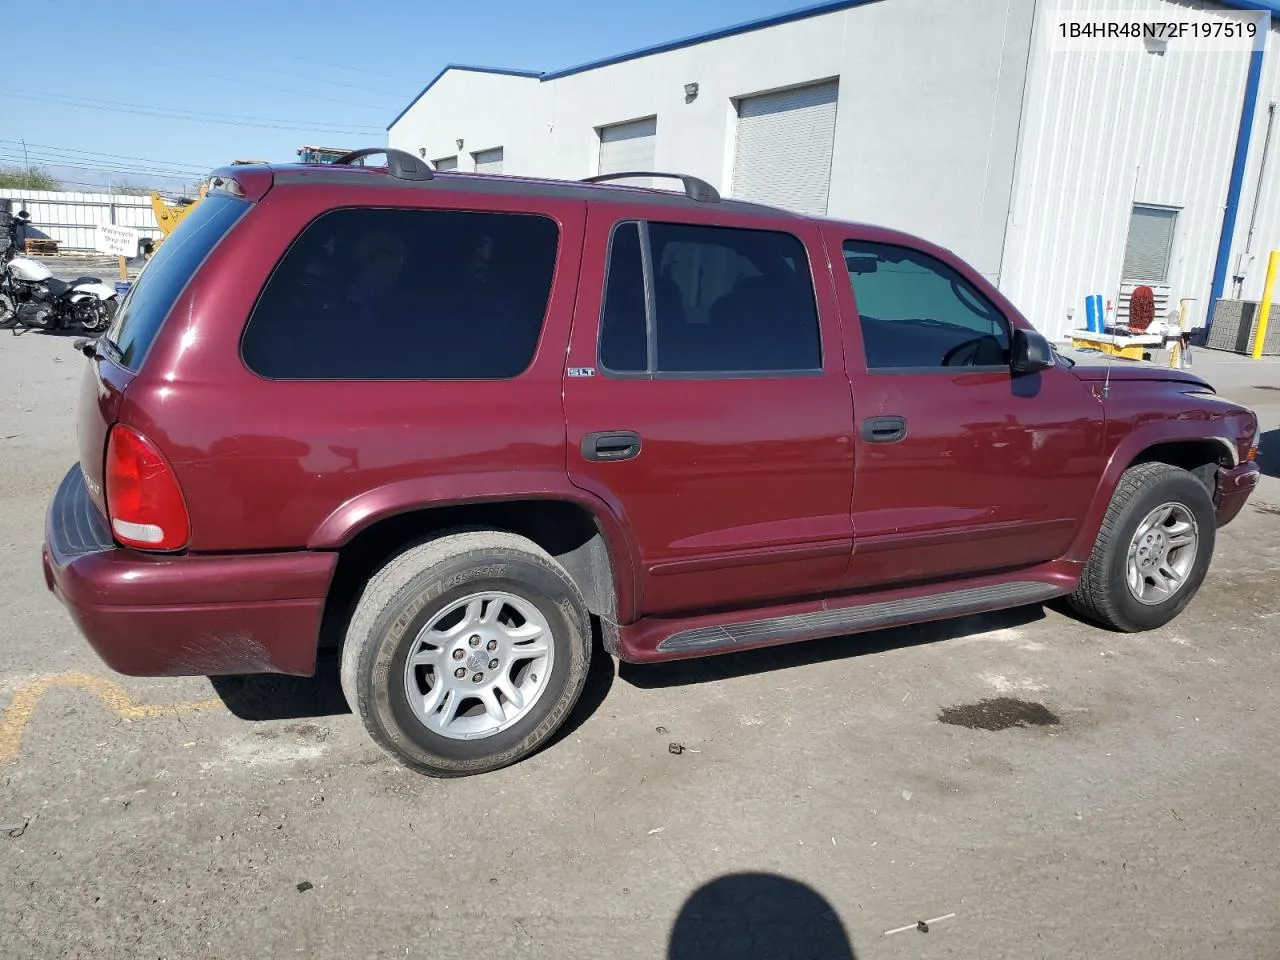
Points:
point(446, 163)
point(1149, 250)
point(708, 301)
point(488, 161)
point(404, 294)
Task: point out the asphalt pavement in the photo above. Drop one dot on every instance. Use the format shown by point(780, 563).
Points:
point(846, 798)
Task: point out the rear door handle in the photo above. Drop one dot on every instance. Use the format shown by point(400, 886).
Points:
point(884, 429)
point(611, 445)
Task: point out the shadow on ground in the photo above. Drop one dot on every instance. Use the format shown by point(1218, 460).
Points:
point(804, 653)
point(278, 697)
point(746, 916)
point(1269, 453)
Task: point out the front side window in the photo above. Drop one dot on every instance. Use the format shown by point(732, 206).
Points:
point(689, 300)
point(918, 313)
point(386, 294)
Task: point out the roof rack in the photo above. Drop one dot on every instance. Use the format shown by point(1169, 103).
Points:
point(401, 165)
point(694, 188)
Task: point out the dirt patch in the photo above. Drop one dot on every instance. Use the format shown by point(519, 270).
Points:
point(1267, 508)
point(1000, 713)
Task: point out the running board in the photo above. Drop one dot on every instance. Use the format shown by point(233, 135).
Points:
point(871, 616)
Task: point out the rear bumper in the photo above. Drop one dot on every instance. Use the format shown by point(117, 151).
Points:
point(1234, 487)
point(154, 615)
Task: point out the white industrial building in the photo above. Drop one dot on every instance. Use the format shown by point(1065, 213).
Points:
point(1057, 171)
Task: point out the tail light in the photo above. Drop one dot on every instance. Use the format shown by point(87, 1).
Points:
point(144, 501)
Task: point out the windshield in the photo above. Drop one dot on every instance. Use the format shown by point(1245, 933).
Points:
point(165, 276)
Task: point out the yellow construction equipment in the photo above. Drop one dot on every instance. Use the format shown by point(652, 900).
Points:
point(169, 216)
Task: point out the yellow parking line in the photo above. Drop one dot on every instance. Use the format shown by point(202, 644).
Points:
point(23, 705)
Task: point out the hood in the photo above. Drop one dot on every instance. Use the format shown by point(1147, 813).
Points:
point(1097, 366)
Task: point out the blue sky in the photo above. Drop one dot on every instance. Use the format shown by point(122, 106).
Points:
point(122, 94)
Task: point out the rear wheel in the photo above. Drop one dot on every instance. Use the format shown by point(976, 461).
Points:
point(1152, 552)
point(8, 312)
point(466, 653)
point(98, 315)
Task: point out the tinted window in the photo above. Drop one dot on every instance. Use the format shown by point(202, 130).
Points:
point(918, 312)
point(623, 336)
point(723, 300)
point(378, 294)
point(166, 274)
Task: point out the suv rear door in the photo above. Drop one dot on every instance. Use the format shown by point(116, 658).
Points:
point(707, 402)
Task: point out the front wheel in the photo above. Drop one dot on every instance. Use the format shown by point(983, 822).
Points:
point(1152, 552)
point(466, 653)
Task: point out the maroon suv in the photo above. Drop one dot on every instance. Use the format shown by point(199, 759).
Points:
point(447, 421)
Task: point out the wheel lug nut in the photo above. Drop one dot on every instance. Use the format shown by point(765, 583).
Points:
point(493, 664)
point(458, 654)
point(460, 672)
point(477, 677)
point(491, 645)
point(475, 640)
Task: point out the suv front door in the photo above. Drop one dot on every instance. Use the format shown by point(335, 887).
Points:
point(707, 403)
point(961, 467)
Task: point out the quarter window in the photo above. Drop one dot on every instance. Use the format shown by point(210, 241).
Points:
point(385, 294)
point(688, 300)
point(917, 312)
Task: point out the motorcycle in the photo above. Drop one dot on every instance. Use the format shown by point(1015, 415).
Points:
point(32, 297)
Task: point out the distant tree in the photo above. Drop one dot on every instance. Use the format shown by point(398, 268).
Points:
point(18, 178)
point(129, 189)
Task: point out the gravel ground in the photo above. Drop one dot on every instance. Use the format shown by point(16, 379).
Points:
point(829, 797)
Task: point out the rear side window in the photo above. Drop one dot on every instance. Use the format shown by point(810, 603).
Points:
point(387, 294)
point(686, 300)
point(166, 274)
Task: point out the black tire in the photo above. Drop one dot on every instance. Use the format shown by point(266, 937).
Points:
point(418, 584)
point(1103, 594)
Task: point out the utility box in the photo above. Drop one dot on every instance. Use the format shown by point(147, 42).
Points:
point(1235, 323)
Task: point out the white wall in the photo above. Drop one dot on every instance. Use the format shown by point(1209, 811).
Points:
point(1103, 130)
point(71, 218)
point(1266, 235)
point(926, 124)
point(484, 110)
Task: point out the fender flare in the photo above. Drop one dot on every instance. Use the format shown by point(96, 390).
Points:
point(461, 489)
point(1126, 452)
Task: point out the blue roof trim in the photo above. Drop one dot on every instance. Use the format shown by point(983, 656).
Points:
point(803, 13)
point(1268, 6)
point(816, 10)
point(532, 74)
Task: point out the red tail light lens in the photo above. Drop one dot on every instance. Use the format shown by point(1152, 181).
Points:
point(143, 499)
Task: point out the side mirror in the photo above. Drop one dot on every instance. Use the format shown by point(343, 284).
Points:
point(1031, 352)
point(24, 216)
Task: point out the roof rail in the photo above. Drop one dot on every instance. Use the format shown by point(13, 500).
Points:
point(401, 165)
point(694, 188)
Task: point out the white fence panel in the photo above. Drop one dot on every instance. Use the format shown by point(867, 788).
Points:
point(72, 218)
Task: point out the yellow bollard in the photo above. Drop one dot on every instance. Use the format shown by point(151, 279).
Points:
point(1264, 309)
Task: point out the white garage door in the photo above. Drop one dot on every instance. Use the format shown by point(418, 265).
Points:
point(489, 161)
point(783, 151)
point(628, 146)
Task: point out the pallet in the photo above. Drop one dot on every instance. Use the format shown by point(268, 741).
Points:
point(46, 248)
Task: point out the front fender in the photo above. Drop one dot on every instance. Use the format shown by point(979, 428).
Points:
point(1128, 450)
point(425, 493)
